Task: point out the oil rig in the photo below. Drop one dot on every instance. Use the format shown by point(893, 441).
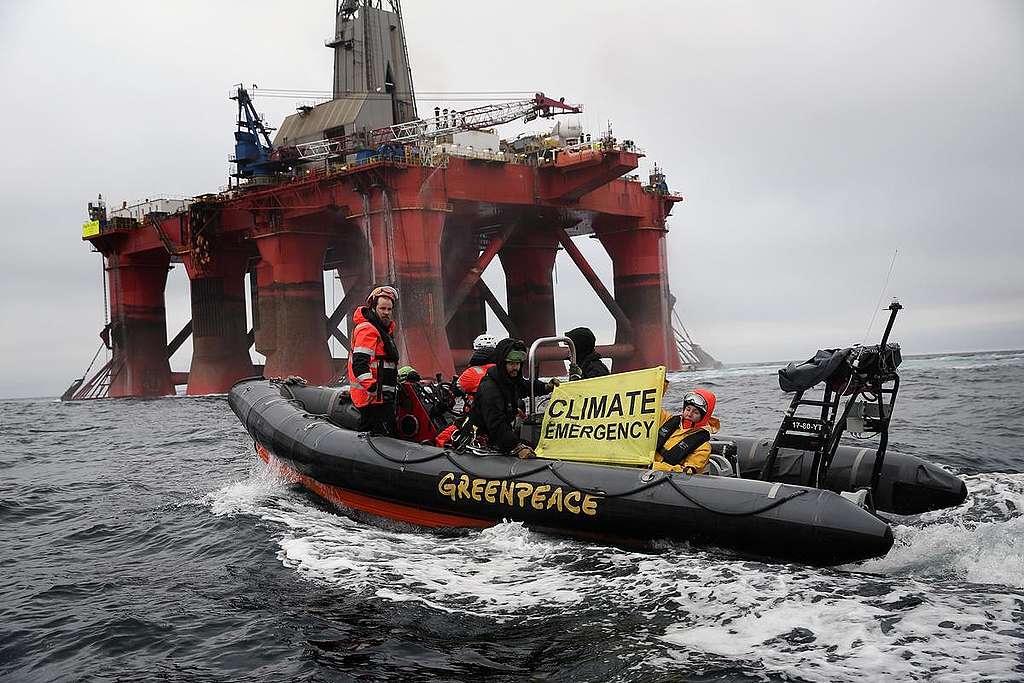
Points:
point(363, 186)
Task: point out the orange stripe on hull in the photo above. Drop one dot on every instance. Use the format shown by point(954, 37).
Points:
point(376, 506)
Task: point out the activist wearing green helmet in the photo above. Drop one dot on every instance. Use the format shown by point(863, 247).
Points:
point(407, 373)
point(515, 356)
point(510, 354)
point(500, 397)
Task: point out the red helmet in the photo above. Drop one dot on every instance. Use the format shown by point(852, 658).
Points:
point(384, 290)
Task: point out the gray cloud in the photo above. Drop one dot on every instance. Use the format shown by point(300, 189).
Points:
point(810, 140)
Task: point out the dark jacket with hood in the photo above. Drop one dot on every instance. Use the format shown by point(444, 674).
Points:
point(497, 401)
point(481, 357)
point(586, 357)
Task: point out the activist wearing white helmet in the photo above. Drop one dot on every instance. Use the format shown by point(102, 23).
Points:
point(485, 341)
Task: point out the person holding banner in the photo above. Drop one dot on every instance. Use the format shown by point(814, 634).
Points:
point(684, 439)
point(587, 358)
point(498, 399)
point(609, 420)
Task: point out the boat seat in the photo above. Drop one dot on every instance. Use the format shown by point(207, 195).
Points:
point(719, 466)
point(722, 462)
point(347, 416)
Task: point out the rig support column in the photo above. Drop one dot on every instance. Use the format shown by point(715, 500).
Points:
point(220, 345)
point(289, 319)
point(351, 265)
point(139, 325)
point(528, 261)
point(422, 339)
point(461, 251)
point(640, 277)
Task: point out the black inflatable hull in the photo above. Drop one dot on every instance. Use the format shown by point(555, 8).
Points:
point(907, 485)
point(436, 488)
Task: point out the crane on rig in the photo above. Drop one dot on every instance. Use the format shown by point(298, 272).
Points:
point(252, 138)
point(444, 122)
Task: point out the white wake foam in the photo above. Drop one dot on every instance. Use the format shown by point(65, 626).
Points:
point(247, 496)
point(848, 628)
point(910, 618)
point(982, 541)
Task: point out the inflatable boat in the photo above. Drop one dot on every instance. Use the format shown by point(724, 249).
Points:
point(308, 434)
point(907, 485)
point(798, 496)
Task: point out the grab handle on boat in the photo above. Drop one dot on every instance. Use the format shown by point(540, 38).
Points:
point(532, 365)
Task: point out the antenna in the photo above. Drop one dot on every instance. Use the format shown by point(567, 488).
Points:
point(881, 295)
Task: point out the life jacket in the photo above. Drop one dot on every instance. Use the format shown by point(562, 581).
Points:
point(382, 374)
point(469, 380)
point(680, 446)
point(469, 383)
point(689, 441)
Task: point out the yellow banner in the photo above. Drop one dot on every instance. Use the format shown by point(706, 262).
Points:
point(611, 420)
point(90, 229)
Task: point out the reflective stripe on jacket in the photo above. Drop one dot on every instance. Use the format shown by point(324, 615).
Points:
point(372, 378)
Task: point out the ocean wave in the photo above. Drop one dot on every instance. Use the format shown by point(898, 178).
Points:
point(700, 606)
point(981, 541)
point(967, 361)
point(847, 628)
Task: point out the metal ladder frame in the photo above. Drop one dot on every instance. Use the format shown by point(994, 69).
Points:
point(821, 434)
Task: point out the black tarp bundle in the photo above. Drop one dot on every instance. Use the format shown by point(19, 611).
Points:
point(835, 366)
point(812, 371)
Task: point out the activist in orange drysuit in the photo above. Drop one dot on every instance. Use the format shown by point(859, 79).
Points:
point(373, 365)
point(683, 440)
point(469, 382)
point(481, 361)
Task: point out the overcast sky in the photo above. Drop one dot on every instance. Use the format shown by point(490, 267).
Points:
point(809, 139)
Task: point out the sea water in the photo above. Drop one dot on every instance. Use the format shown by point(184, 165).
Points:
point(144, 540)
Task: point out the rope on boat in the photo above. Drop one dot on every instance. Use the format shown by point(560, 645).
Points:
point(511, 476)
point(449, 455)
point(728, 513)
point(596, 492)
point(643, 487)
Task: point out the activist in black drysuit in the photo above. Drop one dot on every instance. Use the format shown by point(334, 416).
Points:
point(587, 358)
point(501, 392)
